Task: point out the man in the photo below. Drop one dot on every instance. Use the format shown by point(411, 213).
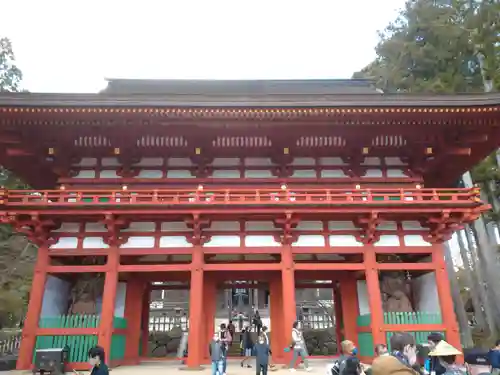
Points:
point(97, 359)
point(433, 366)
point(348, 350)
point(402, 358)
point(262, 353)
point(257, 322)
point(216, 355)
point(380, 350)
point(232, 329)
point(225, 339)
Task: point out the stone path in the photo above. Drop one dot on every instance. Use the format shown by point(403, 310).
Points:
point(173, 368)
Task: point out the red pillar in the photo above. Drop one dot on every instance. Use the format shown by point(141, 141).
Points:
point(133, 314)
point(374, 297)
point(209, 309)
point(146, 299)
point(195, 350)
point(337, 306)
point(34, 309)
point(288, 289)
point(108, 301)
point(348, 290)
point(445, 299)
point(277, 327)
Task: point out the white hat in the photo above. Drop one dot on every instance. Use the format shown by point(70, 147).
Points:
point(443, 349)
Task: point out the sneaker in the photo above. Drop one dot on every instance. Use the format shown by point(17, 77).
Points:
point(292, 370)
point(308, 369)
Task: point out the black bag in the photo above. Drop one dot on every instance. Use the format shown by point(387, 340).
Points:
point(336, 367)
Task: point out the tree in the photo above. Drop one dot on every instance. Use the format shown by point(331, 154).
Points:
point(10, 74)
point(448, 46)
point(16, 253)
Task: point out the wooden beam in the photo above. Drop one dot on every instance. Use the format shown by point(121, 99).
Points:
point(76, 269)
point(329, 266)
point(154, 267)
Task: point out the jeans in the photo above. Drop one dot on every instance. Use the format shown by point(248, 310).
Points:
point(224, 365)
point(299, 352)
point(260, 368)
point(217, 367)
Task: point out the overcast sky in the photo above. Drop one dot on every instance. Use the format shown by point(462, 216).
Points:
point(71, 46)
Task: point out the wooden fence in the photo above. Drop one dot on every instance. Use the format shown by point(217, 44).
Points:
point(316, 321)
point(167, 323)
point(365, 339)
point(10, 345)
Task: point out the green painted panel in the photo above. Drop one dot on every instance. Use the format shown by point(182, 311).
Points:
point(365, 344)
point(80, 345)
point(90, 200)
point(419, 317)
point(117, 347)
point(420, 337)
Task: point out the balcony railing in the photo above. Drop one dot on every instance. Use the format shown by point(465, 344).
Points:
point(239, 197)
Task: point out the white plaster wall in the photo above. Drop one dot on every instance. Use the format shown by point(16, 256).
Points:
point(121, 292)
point(425, 293)
point(56, 297)
point(363, 302)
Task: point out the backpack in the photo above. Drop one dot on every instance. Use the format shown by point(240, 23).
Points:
point(335, 369)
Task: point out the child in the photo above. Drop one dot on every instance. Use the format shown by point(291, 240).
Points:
point(216, 351)
point(97, 360)
point(262, 352)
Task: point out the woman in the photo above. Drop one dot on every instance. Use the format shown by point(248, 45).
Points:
point(299, 348)
point(446, 356)
point(247, 344)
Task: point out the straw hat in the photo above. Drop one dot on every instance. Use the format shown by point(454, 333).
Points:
point(443, 349)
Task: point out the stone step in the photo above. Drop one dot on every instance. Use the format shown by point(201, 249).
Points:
point(218, 321)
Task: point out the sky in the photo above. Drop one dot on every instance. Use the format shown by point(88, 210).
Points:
point(73, 45)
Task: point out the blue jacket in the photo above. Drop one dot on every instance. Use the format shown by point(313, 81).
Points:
point(494, 357)
point(262, 352)
point(216, 351)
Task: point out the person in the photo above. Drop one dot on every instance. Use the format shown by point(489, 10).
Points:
point(232, 329)
point(402, 358)
point(353, 366)
point(381, 350)
point(446, 355)
point(262, 353)
point(97, 359)
point(347, 350)
point(494, 358)
point(299, 348)
point(247, 344)
point(241, 319)
point(257, 322)
point(225, 339)
point(265, 334)
point(432, 364)
point(216, 355)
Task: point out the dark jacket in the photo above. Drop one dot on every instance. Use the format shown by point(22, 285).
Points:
point(216, 351)
point(494, 357)
point(247, 340)
point(436, 366)
point(262, 352)
point(102, 369)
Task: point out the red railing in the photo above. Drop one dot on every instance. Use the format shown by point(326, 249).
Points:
point(261, 197)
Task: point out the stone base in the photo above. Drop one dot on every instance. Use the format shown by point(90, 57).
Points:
point(8, 362)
